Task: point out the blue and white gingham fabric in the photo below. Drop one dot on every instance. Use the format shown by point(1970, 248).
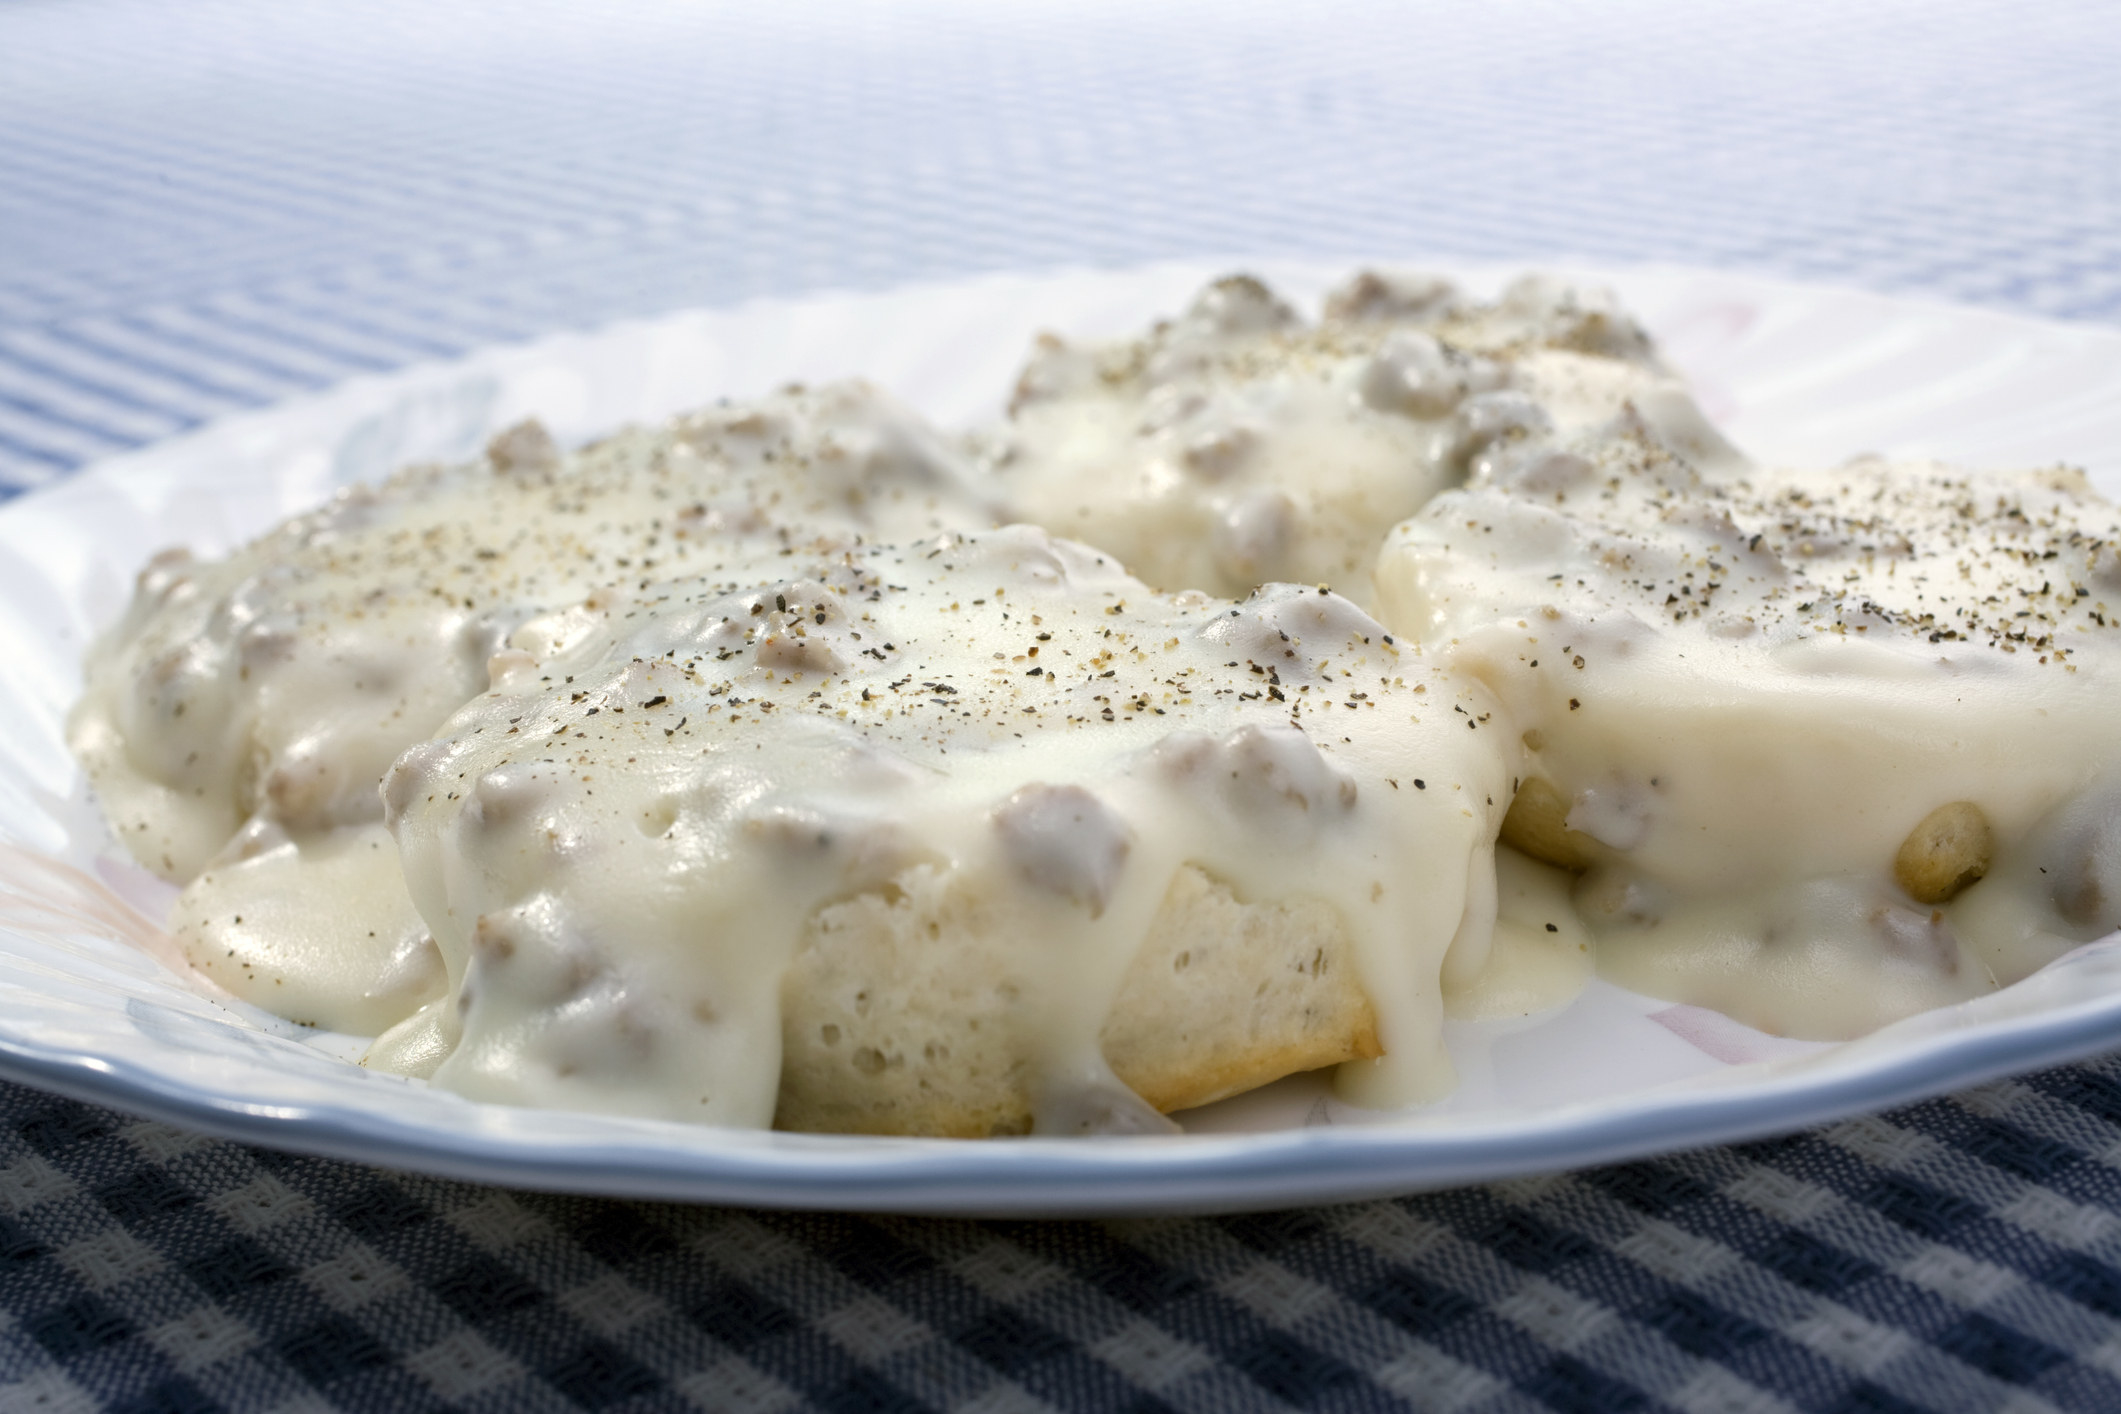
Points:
point(211, 206)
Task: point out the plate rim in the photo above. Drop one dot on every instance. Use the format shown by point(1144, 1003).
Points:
point(1135, 1176)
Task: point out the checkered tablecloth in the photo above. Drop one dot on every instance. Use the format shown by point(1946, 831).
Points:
point(208, 207)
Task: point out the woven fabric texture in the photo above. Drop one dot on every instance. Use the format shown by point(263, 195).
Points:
point(1963, 1254)
point(212, 210)
point(209, 207)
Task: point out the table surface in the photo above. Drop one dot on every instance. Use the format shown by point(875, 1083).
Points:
point(210, 207)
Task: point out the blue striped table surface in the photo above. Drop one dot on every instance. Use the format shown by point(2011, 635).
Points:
point(213, 207)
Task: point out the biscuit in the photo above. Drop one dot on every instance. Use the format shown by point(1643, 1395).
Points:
point(897, 1013)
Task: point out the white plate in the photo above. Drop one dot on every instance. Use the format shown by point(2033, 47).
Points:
point(1792, 373)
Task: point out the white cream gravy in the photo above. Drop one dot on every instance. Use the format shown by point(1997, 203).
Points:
point(616, 847)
